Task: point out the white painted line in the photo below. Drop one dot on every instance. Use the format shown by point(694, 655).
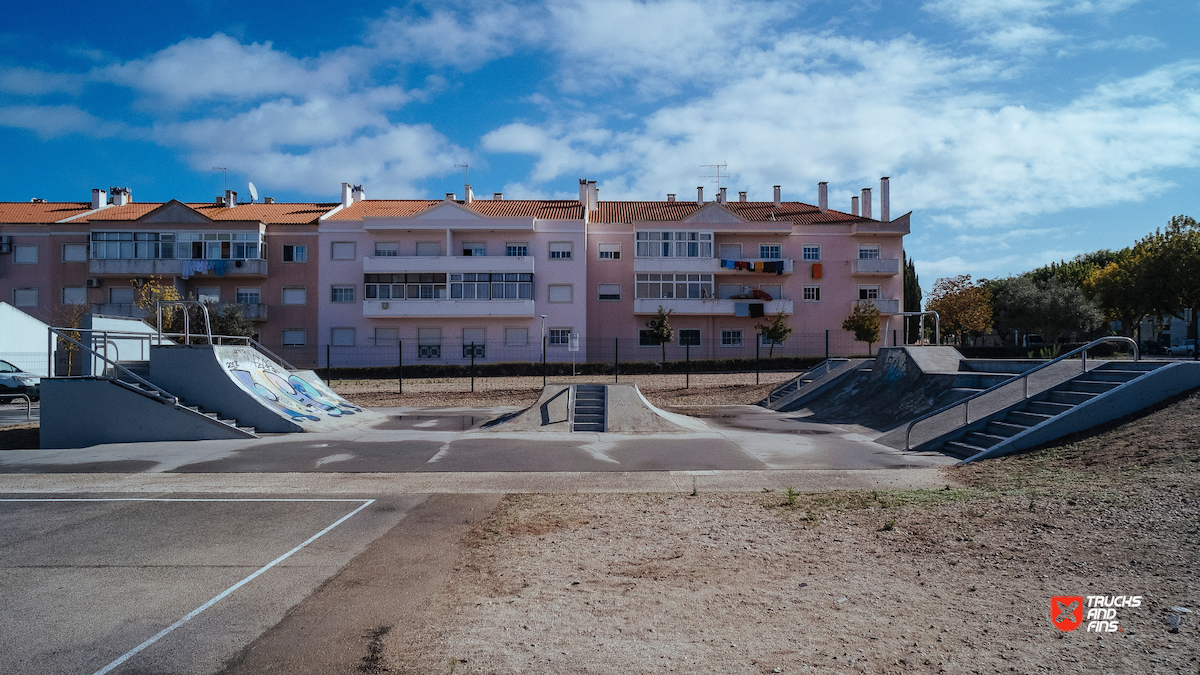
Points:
point(127, 655)
point(168, 499)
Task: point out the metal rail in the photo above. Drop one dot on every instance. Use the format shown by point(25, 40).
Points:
point(28, 406)
point(966, 402)
point(937, 326)
point(826, 364)
point(158, 307)
point(163, 393)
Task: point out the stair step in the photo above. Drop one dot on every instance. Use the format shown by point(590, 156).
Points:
point(961, 450)
point(1094, 386)
point(1005, 429)
point(1026, 417)
point(1048, 407)
point(983, 440)
point(1071, 396)
point(1104, 375)
point(588, 426)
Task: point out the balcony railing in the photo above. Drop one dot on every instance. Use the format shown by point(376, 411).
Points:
point(702, 265)
point(885, 305)
point(707, 306)
point(171, 267)
point(119, 309)
point(447, 263)
point(381, 309)
point(877, 266)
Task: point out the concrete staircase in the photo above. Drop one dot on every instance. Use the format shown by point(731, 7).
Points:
point(808, 384)
point(232, 424)
point(590, 408)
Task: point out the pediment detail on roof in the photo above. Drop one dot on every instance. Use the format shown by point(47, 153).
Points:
point(448, 211)
point(175, 211)
point(714, 214)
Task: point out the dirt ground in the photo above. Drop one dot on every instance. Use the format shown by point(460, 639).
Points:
point(957, 580)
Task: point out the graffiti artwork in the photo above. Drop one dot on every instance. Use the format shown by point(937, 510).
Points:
point(287, 392)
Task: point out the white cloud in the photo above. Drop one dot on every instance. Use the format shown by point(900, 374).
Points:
point(30, 81)
point(1018, 26)
point(465, 39)
point(59, 120)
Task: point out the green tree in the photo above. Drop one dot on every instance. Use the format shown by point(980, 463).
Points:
point(230, 320)
point(1119, 289)
point(912, 299)
point(149, 294)
point(1172, 270)
point(661, 331)
point(864, 323)
point(1052, 308)
point(962, 306)
point(777, 331)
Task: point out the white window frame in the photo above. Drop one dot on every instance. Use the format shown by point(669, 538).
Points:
point(733, 337)
point(770, 257)
point(569, 289)
point(303, 250)
point(563, 249)
point(868, 292)
point(812, 252)
point(811, 293)
point(334, 253)
point(283, 295)
point(333, 293)
point(516, 249)
point(25, 250)
point(386, 252)
point(82, 248)
point(564, 336)
point(248, 291)
point(78, 290)
point(872, 251)
point(302, 332)
point(608, 251)
point(478, 249)
point(600, 288)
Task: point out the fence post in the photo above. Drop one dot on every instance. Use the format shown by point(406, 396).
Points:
point(757, 365)
point(687, 382)
point(473, 367)
point(543, 361)
point(616, 358)
point(894, 338)
point(328, 363)
point(400, 364)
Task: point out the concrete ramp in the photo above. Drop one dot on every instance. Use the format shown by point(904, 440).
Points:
point(626, 412)
point(243, 383)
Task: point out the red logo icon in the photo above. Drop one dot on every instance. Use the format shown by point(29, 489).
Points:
point(1066, 611)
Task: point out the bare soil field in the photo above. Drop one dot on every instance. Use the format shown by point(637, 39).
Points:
point(957, 580)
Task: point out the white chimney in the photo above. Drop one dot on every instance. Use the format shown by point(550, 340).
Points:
point(823, 196)
point(854, 206)
point(121, 196)
point(721, 198)
point(742, 196)
point(885, 206)
point(497, 196)
point(777, 198)
point(700, 195)
point(468, 194)
point(347, 195)
point(451, 197)
point(268, 200)
point(583, 192)
point(671, 197)
point(230, 199)
point(99, 198)
point(593, 196)
point(357, 193)
point(866, 202)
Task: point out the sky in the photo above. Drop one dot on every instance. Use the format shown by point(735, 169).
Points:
point(1018, 132)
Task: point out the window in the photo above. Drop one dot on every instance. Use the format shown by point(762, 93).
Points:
point(773, 290)
point(249, 296)
point(412, 286)
point(429, 343)
point(730, 251)
point(26, 297)
point(342, 250)
point(181, 245)
point(295, 338)
point(491, 286)
point(727, 291)
point(731, 338)
point(474, 342)
point(559, 337)
point(516, 337)
point(868, 252)
point(560, 293)
point(295, 253)
point(674, 245)
point(674, 286)
point(25, 255)
point(766, 341)
point(74, 252)
point(770, 251)
point(516, 249)
point(341, 337)
point(428, 249)
point(812, 293)
point(122, 295)
point(647, 339)
point(74, 295)
point(609, 292)
point(474, 248)
point(387, 337)
point(812, 252)
point(342, 294)
point(688, 337)
point(560, 250)
point(868, 292)
point(208, 294)
point(295, 296)
point(384, 249)
point(608, 251)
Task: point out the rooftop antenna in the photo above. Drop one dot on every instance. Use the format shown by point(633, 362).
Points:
point(225, 183)
point(253, 193)
point(466, 170)
point(718, 176)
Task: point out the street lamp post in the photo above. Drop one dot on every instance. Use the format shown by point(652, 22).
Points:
point(543, 350)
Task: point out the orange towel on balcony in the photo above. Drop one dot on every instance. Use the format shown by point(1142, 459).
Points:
point(816, 271)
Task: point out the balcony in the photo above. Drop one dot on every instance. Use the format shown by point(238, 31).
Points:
point(169, 267)
point(446, 263)
point(700, 265)
point(119, 309)
point(877, 267)
point(692, 307)
point(387, 309)
point(885, 305)
point(875, 228)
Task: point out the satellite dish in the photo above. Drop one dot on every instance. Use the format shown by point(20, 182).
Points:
point(253, 193)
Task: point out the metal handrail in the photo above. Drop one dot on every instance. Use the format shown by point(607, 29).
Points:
point(771, 398)
point(163, 392)
point(966, 402)
point(937, 326)
point(571, 408)
point(158, 307)
point(28, 406)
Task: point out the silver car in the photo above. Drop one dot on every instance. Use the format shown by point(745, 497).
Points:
point(14, 381)
point(1185, 348)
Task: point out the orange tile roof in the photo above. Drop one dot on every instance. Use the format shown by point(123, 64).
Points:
point(277, 213)
point(796, 212)
point(383, 208)
point(40, 212)
point(628, 212)
point(551, 209)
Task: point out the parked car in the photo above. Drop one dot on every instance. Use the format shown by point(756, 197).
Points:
point(1185, 348)
point(14, 381)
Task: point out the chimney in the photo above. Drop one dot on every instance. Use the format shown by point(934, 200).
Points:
point(468, 194)
point(583, 192)
point(357, 193)
point(347, 195)
point(593, 196)
point(268, 200)
point(230, 199)
point(823, 197)
point(700, 195)
point(866, 202)
point(742, 196)
point(721, 197)
point(121, 196)
point(451, 197)
point(885, 207)
point(670, 196)
point(99, 198)
point(777, 199)
point(854, 206)
point(497, 196)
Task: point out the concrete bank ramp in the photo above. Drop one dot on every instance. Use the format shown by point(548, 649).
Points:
point(242, 383)
point(626, 412)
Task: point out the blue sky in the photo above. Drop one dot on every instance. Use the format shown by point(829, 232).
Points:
point(1018, 131)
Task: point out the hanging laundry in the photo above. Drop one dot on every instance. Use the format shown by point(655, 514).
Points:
point(219, 267)
point(769, 267)
point(756, 310)
point(758, 267)
point(741, 309)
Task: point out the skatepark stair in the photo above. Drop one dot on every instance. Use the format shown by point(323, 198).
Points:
point(811, 382)
point(589, 407)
